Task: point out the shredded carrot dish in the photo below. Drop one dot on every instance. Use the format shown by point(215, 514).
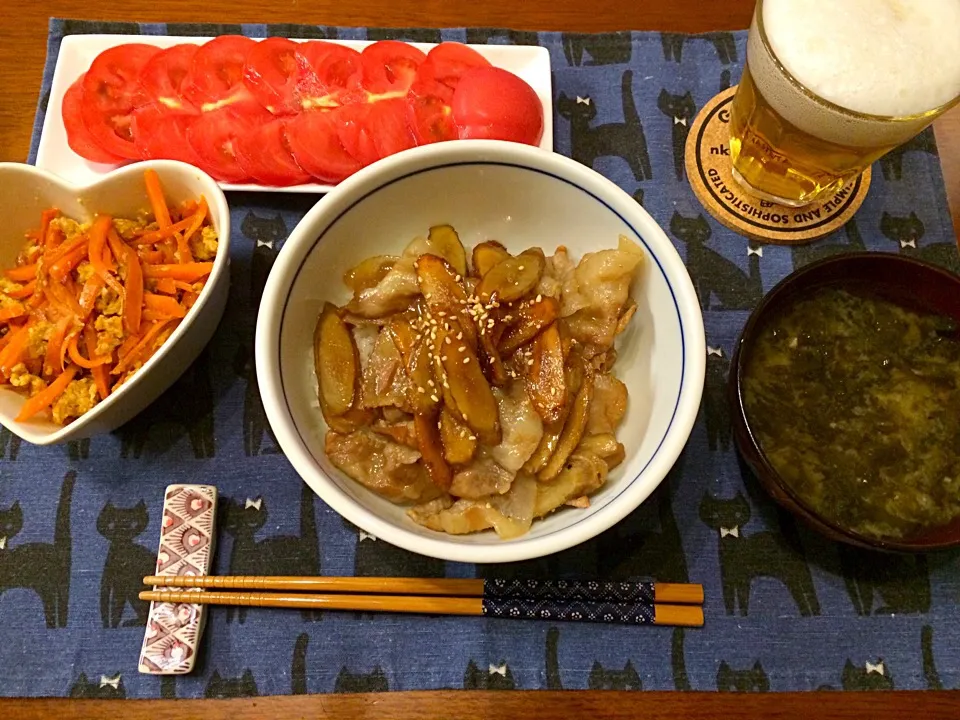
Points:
point(88, 304)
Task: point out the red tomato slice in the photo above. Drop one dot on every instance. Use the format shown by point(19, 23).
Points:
point(494, 104)
point(216, 74)
point(449, 60)
point(273, 70)
point(353, 129)
point(81, 140)
point(160, 134)
point(390, 124)
point(265, 155)
point(111, 91)
point(213, 136)
point(316, 145)
point(390, 66)
point(336, 68)
point(432, 115)
point(163, 76)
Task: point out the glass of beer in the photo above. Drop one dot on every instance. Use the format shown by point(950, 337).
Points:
point(829, 87)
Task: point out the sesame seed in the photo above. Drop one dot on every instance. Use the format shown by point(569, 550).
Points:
point(539, 298)
point(457, 279)
point(519, 268)
point(462, 348)
point(441, 314)
point(490, 323)
point(444, 358)
point(426, 295)
point(465, 418)
point(435, 398)
point(447, 340)
point(433, 321)
point(421, 391)
point(460, 335)
point(529, 362)
point(553, 391)
point(446, 384)
point(466, 360)
point(472, 437)
point(430, 383)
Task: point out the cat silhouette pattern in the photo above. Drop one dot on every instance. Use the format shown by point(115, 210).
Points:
point(601, 678)
point(885, 584)
point(752, 679)
point(551, 660)
point(224, 687)
point(349, 682)
point(891, 164)
point(828, 247)
point(495, 677)
point(126, 564)
point(9, 445)
point(602, 48)
point(106, 688)
point(38, 566)
point(871, 676)
point(723, 42)
point(681, 110)
point(620, 139)
point(930, 673)
point(908, 230)
point(278, 555)
point(484, 36)
point(716, 408)
point(376, 558)
point(744, 558)
point(713, 275)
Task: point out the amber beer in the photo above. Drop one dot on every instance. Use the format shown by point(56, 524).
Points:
point(830, 87)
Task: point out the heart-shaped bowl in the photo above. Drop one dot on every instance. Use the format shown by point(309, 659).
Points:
point(27, 191)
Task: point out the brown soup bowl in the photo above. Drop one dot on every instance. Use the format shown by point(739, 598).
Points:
point(910, 283)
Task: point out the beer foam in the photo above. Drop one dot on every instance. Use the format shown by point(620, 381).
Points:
point(894, 58)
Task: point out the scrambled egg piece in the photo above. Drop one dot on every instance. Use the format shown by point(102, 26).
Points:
point(68, 226)
point(7, 285)
point(109, 334)
point(128, 229)
point(84, 271)
point(19, 377)
point(7, 303)
point(79, 397)
point(38, 335)
point(109, 302)
point(204, 246)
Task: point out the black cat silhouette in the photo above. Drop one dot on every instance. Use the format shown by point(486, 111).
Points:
point(930, 673)
point(805, 254)
point(348, 682)
point(278, 555)
point(725, 45)
point(494, 678)
point(724, 80)
point(714, 275)
point(716, 409)
point(744, 558)
point(41, 567)
point(266, 234)
point(633, 549)
point(483, 36)
point(108, 688)
point(678, 661)
point(9, 445)
point(604, 48)
point(623, 139)
point(902, 581)
point(168, 687)
point(672, 46)
point(298, 666)
point(603, 679)
point(869, 677)
point(681, 111)
point(907, 231)
point(552, 660)
point(187, 407)
point(418, 35)
point(376, 558)
point(126, 564)
point(892, 163)
point(296, 30)
point(751, 680)
point(638, 196)
point(78, 449)
point(223, 688)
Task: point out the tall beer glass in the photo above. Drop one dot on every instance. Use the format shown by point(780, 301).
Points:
point(829, 87)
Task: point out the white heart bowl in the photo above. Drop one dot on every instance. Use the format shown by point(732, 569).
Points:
point(28, 191)
point(523, 197)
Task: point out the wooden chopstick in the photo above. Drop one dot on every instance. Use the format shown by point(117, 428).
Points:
point(670, 593)
point(632, 613)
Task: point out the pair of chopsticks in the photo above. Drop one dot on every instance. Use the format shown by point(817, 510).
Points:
point(634, 603)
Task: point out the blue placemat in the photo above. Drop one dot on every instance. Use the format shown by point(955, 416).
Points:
point(785, 610)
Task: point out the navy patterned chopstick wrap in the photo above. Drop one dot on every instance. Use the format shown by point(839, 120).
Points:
point(785, 610)
point(548, 608)
point(569, 591)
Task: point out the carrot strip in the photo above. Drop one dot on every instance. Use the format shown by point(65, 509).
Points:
point(62, 267)
point(12, 354)
point(22, 273)
point(187, 272)
point(157, 202)
point(163, 304)
point(133, 293)
point(25, 291)
point(45, 217)
point(60, 251)
point(155, 236)
point(151, 257)
point(127, 345)
point(98, 251)
point(90, 293)
point(131, 357)
point(12, 312)
point(64, 300)
point(79, 359)
point(117, 246)
point(169, 250)
point(101, 376)
point(45, 398)
point(167, 286)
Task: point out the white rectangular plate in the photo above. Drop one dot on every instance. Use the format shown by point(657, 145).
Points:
point(531, 63)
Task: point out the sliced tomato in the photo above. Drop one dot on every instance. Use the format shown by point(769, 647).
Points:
point(216, 74)
point(447, 62)
point(111, 91)
point(491, 103)
point(81, 140)
point(315, 142)
point(161, 134)
point(335, 77)
point(390, 123)
point(353, 129)
point(430, 103)
point(390, 66)
point(273, 71)
point(163, 76)
point(265, 155)
point(213, 135)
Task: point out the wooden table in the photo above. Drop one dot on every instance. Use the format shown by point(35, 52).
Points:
point(22, 50)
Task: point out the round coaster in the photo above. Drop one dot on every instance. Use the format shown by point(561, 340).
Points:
point(709, 170)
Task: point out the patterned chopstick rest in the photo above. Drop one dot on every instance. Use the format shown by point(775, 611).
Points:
point(186, 548)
